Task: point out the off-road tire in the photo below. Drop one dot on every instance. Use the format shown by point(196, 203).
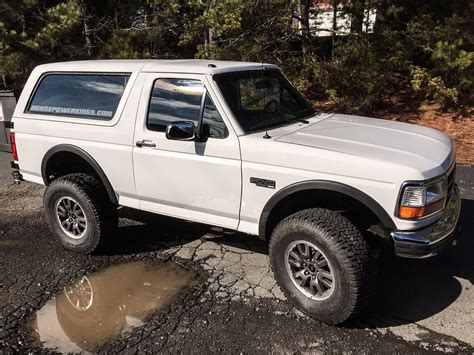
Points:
point(345, 249)
point(101, 214)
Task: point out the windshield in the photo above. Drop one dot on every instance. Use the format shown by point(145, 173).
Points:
point(261, 99)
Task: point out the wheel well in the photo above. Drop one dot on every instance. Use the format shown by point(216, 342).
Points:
point(357, 212)
point(71, 160)
point(65, 163)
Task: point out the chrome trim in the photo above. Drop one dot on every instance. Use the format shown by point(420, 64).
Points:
point(437, 231)
point(145, 143)
point(181, 126)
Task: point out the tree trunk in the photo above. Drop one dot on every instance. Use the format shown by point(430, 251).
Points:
point(145, 15)
point(335, 4)
point(367, 18)
point(116, 7)
point(208, 41)
point(357, 16)
point(304, 24)
point(381, 8)
point(211, 36)
point(87, 36)
point(86, 29)
point(304, 18)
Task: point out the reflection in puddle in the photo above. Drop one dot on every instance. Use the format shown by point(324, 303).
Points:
point(101, 306)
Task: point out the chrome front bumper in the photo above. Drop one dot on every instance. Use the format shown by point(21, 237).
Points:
point(429, 241)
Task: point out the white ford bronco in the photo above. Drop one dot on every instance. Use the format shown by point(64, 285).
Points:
point(235, 145)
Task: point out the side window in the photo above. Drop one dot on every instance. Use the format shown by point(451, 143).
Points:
point(93, 96)
point(212, 120)
point(180, 100)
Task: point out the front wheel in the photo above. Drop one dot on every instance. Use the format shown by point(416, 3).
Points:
point(321, 263)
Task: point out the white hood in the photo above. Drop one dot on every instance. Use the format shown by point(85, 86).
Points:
point(421, 148)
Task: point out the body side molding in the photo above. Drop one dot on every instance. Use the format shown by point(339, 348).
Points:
point(358, 195)
point(84, 155)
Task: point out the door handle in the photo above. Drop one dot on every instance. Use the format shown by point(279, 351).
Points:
point(145, 144)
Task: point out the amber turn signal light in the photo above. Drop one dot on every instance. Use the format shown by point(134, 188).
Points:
point(418, 212)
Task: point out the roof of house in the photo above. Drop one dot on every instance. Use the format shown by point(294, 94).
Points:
point(191, 66)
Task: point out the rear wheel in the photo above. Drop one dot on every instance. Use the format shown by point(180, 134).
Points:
point(321, 262)
point(79, 213)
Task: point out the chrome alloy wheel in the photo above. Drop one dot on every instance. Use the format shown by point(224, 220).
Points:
point(309, 270)
point(71, 217)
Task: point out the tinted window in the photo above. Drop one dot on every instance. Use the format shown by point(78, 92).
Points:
point(79, 95)
point(212, 121)
point(180, 100)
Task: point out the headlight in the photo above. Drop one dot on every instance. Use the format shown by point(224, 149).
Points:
point(422, 200)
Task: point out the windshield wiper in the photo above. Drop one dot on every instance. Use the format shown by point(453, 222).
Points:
point(280, 123)
point(306, 112)
point(301, 120)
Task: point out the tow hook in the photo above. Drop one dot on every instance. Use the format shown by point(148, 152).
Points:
point(17, 177)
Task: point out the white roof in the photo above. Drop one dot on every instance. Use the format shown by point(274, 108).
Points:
point(192, 66)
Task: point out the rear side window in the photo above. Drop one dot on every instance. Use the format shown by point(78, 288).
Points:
point(90, 96)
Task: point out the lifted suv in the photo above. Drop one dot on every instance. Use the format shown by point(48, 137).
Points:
point(237, 146)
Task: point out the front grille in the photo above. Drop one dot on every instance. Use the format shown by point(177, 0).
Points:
point(451, 179)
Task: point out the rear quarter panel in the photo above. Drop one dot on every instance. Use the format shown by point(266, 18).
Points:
point(110, 143)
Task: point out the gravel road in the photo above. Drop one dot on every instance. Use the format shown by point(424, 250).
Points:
point(233, 306)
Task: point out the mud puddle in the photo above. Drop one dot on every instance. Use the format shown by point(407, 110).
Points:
point(102, 306)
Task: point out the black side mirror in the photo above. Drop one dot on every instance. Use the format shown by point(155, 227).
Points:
point(181, 131)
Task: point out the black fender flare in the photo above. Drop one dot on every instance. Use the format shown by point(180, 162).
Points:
point(356, 194)
point(84, 155)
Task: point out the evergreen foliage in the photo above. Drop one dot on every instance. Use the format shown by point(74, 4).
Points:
point(421, 50)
